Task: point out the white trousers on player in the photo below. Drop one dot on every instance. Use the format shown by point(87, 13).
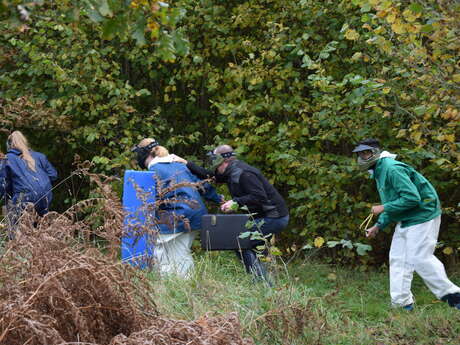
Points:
point(173, 254)
point(412, 249)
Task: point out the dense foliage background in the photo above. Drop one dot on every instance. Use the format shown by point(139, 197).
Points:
point(291, 84)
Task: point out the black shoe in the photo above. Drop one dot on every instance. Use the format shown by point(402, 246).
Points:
point(453, 299)
point(255, 267)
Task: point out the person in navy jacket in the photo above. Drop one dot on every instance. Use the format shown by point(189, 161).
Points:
point(25, 177)
point(180, 216)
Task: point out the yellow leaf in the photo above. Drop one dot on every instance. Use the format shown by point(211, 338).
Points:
point(379, 30)
point(401, 133)
point(386, 90)
point(332, 276)
point(448, 250)
point(356, 56)
point(351, 34)
point(275, 251)
point(413, 28)
point(381, 14)
point(456, 78)
point(416, 136)
point(391, 18)
point(449, 137)
point(398, 27)
point(319, 241)
point(409, 15)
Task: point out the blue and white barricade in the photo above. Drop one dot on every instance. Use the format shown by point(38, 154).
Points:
point(137, 240)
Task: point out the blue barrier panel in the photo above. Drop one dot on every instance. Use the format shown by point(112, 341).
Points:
point(137, 249)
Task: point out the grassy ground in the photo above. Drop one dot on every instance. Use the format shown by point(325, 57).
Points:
point(311, 303)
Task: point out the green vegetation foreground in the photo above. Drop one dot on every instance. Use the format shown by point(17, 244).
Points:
point(312, 303)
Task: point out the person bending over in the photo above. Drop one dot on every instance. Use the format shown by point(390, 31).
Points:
point(248, 187)
point(179, 217)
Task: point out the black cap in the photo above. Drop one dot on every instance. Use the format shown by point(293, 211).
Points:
point(367, 144)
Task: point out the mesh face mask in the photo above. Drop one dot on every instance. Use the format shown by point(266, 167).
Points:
point(216, 159)
point(143, 152)
point(366, 164)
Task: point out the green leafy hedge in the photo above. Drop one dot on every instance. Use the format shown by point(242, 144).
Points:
point(292, 84)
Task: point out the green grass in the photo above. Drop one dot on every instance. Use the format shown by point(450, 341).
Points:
point(311, 303)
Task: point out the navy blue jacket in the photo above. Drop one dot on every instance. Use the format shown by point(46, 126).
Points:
point(187, 201)
point(20, 184)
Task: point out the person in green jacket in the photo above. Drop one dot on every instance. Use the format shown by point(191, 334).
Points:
point(408, 199)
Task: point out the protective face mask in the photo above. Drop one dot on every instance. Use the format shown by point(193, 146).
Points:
point(366, 164)
point(143, 152)
point(213, 161)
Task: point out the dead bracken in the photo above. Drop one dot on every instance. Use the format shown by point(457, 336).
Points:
point(57, 287)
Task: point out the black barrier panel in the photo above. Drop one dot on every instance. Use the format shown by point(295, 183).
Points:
point(222, 231)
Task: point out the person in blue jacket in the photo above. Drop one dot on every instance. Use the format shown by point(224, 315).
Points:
point(180, 214)
point(25, 177)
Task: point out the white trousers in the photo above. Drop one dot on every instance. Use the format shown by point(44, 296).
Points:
point(412, 249)
point(173, 255)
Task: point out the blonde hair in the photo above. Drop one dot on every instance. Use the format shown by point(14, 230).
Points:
point(18, 141)
point(157, 151)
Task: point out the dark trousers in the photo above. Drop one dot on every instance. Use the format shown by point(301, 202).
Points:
point(267, 227)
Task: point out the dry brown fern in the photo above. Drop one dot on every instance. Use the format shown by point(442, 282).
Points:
point(56, 287)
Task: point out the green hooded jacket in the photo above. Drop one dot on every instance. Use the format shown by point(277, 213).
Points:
point(406, 195)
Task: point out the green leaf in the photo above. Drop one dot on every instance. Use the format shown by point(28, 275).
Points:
point(362, 249)
point(104, 9)
point(244, 208)
point(139, 32)
point(94, 15)
point(332, 244)
point(346, 244)
point(366, 8)
point(113, 27)
point(143, 92)
point(420, 110)
point(427, 28)
point(256, 236)
point(180, 43)
point(307, 61)
point(250, 224)
point(416, 8)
